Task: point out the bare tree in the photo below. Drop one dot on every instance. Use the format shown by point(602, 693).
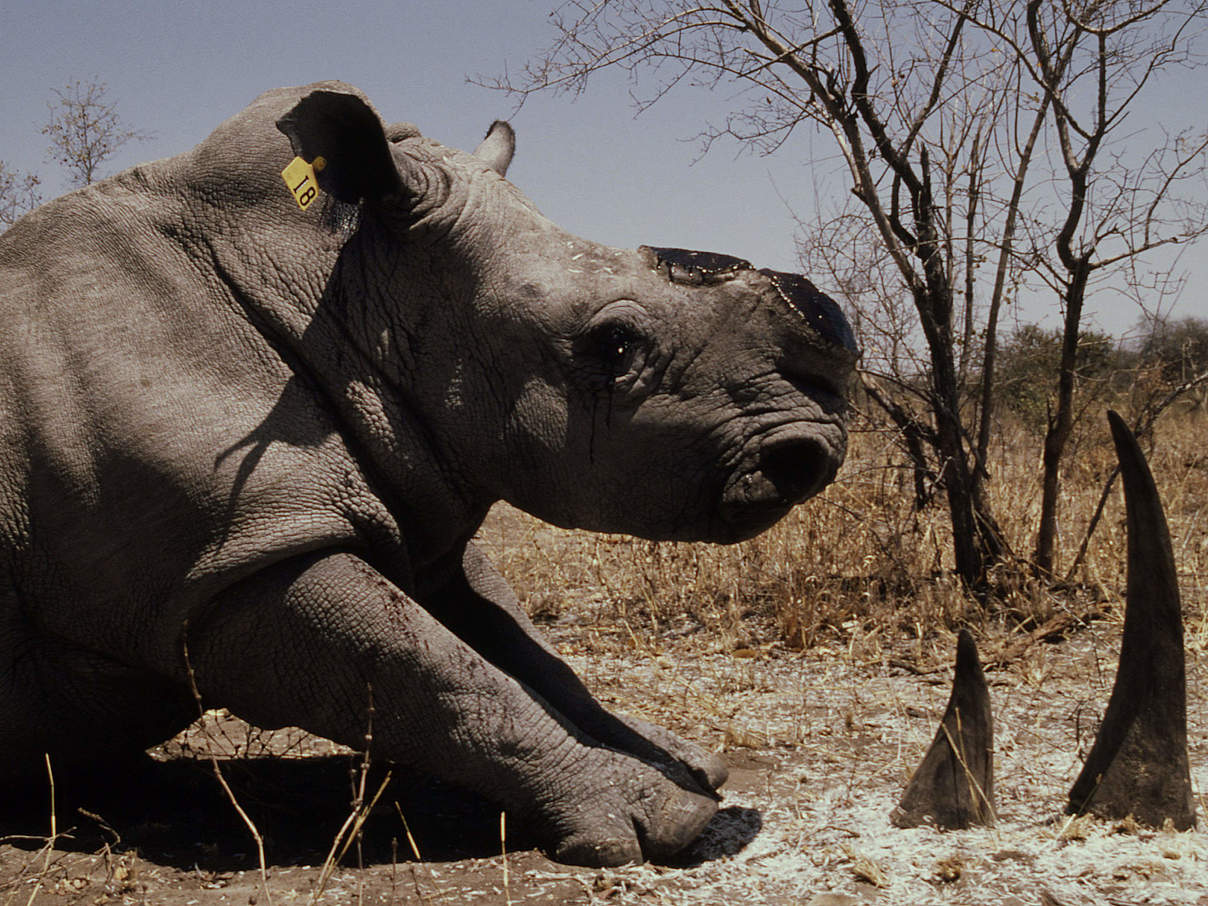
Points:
point(85, 130)
point(942, 112)
point(18, 194)
point(1093, 60)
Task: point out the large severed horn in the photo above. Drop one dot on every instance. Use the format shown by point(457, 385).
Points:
point(1138, 764)
point(954, 784)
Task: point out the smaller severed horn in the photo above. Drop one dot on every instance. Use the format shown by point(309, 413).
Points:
point(954, 785)
point(1138, 765)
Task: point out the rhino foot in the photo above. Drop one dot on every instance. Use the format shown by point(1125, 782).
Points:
point(706, 768)
point(629, 812)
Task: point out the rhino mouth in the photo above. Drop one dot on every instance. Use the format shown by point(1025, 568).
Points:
point(785, 472)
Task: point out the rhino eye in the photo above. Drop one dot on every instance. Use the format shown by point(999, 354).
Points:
point(607, 352)
point(613, 344)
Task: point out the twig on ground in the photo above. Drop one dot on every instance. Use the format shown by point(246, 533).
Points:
point(103, 824)
point(347, 833)
point(503, 848)
point(1055, 626)
point(351, 828)
point(415, 851)
point(230, 794)
point(49, 848)
point(407, 830)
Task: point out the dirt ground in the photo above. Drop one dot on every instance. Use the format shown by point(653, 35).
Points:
point(820, 744)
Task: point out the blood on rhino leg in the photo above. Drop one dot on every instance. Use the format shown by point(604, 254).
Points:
point(481, 608)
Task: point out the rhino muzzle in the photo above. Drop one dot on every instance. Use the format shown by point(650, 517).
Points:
point(798, 469)
point(785, 472)
point(798, 459)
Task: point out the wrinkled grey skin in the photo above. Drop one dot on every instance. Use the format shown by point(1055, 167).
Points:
point(256, 441)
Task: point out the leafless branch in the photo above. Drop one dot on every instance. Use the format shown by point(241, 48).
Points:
point(85, 130)
point(18, 195)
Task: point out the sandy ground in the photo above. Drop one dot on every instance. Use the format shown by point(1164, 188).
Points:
point(820, 745)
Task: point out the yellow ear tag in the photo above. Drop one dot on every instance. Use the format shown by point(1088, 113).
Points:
point(300, 179)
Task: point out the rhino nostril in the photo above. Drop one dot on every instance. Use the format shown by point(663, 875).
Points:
point(798, 469)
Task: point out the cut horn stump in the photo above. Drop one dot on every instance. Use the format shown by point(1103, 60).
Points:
point(1138, 763)
point(954, 785)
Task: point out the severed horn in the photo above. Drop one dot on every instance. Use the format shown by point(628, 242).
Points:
point(954, 785)
point(1138, 764)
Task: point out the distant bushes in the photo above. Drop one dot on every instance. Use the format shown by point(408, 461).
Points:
point(1177, 349)
point(1167, 355)
point(1028, 362)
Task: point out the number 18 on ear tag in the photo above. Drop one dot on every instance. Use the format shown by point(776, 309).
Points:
point(300, 179)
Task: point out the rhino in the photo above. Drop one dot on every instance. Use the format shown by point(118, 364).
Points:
point(256, 400)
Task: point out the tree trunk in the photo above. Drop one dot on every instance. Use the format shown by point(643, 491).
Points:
point(971, 552)
point(1061, 422)
point(933, 299)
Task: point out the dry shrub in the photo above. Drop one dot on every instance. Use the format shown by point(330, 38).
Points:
point(861, 559)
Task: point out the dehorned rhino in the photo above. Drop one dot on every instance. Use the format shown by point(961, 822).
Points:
point(256, 399)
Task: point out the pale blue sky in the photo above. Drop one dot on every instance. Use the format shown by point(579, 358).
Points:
point(178, 69)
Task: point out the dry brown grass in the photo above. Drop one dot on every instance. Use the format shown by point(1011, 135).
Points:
point(860, 560)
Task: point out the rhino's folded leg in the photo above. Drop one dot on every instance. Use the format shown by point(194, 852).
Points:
point(480, 607)
point(311, 642)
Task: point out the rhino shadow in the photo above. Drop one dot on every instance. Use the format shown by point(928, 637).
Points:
point(729, 833)
point(174, 813)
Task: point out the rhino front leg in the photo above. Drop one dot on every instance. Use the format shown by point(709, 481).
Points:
point(309, 642)
point(481, 608)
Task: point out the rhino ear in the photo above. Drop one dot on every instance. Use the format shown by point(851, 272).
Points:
point(498, 147)
point(346, 132)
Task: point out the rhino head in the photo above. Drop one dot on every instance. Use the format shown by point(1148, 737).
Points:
point(659, 392)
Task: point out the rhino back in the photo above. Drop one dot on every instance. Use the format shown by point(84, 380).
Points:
point(136, 474)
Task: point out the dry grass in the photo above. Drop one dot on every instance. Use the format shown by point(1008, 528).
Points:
point(859, 560)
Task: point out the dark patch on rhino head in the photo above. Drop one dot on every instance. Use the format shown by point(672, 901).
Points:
point(695, 268)
point(820, 312)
